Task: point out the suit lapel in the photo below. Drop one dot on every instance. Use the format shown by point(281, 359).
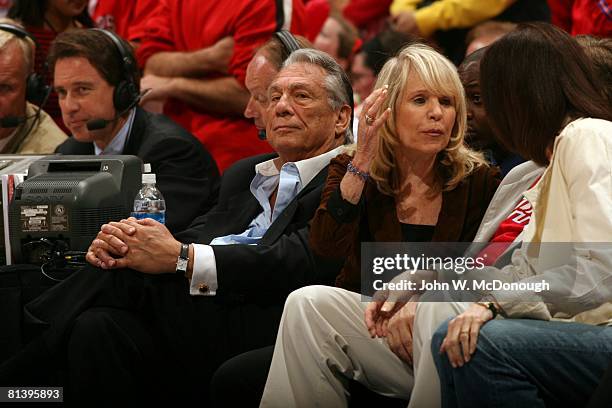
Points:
point(284, 219)
point(235, 219)
point(243, 209)
point(81, 148)
point(134, 140)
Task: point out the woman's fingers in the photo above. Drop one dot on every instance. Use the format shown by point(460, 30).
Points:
point(382, 118)
point(451, 343)
point(370, 120)
point(461, 339)
point(474, 331)
point(464, 340)
point(380, 321)
point(372, 111)
point(371, 314)
point(369, 101)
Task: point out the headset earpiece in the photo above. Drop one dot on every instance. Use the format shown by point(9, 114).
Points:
point(125, 94)
point(37, 89)
point(126, 91)
point(289, 42)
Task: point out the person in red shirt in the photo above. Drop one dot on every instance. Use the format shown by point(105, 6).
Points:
point(592, 17)
point(183, 53)
point(369, 16)
point(126, 18)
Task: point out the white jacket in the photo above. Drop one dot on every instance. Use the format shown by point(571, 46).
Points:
point(568, 239)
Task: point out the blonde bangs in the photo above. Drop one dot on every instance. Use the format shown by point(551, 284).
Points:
point(440, 77)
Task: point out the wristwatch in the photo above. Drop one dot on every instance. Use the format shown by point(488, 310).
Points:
point(491, 306)
point(488, 302)
point(183, 260)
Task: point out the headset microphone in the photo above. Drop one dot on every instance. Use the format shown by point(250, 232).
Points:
point(14, 121)
point(11, 121)
point(97, 124)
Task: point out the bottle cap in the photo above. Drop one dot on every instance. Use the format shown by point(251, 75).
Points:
point(148, 178)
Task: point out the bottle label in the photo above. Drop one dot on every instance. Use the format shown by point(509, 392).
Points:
point(158, 216)
point(149, 205)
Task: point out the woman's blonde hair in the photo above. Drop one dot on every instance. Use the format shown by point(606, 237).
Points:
point(440, 77)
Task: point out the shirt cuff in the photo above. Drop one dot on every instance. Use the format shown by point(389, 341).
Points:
point(204, 276)
point(340, 209)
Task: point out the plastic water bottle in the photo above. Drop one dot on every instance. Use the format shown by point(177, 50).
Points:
point(149, 202)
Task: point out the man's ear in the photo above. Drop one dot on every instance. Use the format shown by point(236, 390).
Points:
point(343, 121)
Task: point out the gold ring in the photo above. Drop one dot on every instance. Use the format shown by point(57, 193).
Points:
point(369, 120)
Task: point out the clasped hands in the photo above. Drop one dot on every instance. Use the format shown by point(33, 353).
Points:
point(391, 315)
point(143, 245)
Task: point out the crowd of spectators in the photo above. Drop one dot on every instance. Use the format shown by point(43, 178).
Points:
point(286, 134)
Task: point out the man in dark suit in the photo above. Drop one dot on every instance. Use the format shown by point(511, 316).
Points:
point(96, 79)
point(135, 332)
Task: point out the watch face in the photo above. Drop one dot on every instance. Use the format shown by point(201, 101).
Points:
point(181, 264)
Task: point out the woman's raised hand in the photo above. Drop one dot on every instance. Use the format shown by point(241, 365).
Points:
point(370, 122)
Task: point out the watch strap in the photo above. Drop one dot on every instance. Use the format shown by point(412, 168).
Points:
point(491, 306)
point(184, 251)
point(183, 259)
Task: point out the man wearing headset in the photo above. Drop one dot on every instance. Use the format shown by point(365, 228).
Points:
point(160, 332)
point(96, 79)
point(24, 127)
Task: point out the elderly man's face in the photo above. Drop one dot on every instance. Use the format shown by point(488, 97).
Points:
point(300, 122)
point(259, 75)
point(83, 96)
point(12, 83)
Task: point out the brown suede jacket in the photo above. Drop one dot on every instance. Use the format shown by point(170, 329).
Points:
point(339, 235)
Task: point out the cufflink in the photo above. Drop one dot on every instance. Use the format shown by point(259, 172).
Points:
point(203, 288)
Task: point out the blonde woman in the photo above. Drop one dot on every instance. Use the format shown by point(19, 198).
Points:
point(411, 178)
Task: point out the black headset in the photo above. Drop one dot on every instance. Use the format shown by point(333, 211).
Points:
point(291, 44)
point(126, 93)
point(37, 90)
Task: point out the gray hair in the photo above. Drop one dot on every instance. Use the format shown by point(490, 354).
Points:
point(334, 82)
point(26, 44)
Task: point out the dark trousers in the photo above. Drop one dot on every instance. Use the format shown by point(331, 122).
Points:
point(240, 381)
point(132, 336)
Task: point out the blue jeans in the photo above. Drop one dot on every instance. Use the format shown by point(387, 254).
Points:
point(526, 363)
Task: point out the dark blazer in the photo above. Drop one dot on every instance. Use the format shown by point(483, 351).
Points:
point(336, 235)
point(282, 261)
point(193, 334)
point(186, 173)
